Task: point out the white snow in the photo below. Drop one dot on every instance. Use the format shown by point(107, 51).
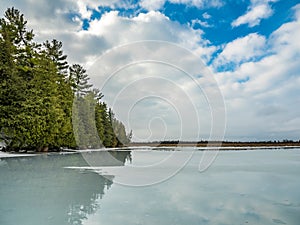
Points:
point(9, 155)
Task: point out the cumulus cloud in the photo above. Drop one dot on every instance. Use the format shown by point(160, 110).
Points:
point(242, 50)
point(158, 4)
point(257, 11)
point(152, 4)
point(83, 10)
point(108, 31)
point(117, 30)
point(113, 4)
point(200, 22)
point(206, 16)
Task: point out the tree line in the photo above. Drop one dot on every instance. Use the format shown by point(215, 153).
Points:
point(45, 103)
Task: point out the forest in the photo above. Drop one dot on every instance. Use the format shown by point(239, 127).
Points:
point(46, 103)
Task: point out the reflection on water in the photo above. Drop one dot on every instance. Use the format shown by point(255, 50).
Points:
point(241, 187)
point(39, 190)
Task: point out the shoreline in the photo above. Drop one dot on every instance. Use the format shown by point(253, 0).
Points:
point(156, 147)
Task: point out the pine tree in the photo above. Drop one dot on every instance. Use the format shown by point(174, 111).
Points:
point(79, 80)
point(54, 50)
point(55, 53)
point(15, 68)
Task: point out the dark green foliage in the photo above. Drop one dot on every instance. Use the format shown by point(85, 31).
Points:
point(42, 105)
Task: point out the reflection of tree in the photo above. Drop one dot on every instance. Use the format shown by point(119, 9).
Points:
point(40, 190)
point(106, 158)
point(88, 204)
point(122, 156)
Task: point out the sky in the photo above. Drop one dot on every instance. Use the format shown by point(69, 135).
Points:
point(184, 69)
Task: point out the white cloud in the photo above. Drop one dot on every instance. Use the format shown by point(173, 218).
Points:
point(94, 4)
point(258, 10)
point(85, 13)
point(117, 30)
point(296, 9)
point(48, 19)
point(158, 4)
point(241, 50)
point(152, 4)
point(206, 15)
point(200, 22)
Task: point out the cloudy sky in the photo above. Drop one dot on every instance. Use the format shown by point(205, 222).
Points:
point(184, 69)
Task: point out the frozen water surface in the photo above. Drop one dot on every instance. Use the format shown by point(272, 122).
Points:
point(151, 187)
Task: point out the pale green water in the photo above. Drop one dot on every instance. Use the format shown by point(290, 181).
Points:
point(241, 187)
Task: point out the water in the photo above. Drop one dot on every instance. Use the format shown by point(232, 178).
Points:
point(240, 187)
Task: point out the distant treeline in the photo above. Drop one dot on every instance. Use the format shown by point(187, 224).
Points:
point(45, 103)
point(204, 143)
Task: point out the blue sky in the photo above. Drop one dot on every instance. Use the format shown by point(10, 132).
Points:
point(250, 48)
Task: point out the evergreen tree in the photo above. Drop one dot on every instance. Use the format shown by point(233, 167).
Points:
point(55, 53)
point(79, 80)
point(15, 72)
point(54, 50)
